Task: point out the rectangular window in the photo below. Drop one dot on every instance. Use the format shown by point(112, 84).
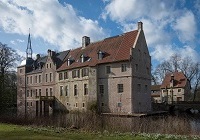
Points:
point(20, 71)
point(50, 76)
point(27, 104)
point(40, 92)
point(147, 70)
point(66, 91)
point(119, 104)
point(85, 89)
point(31, 104)
point(46, 77)
point(75, 90)
point(75, 73)
point(85, 72)
point(46, 91)
point(179, 90)
point(83, 105)
point(76, 105)
point(31, 80)
point(108, 69)
point(50, 65)
point(101, 89)
point(47, 66)
point(65, 75)
point(36, 79)
point(60, 76)
point(27, 93)
point(138, 87)
point(36, 92)
point(136, 67)
point(51, 92)
point(120, 88)
point(61, 90)
point(40, 79)
point(31, 93)
point(123, 68)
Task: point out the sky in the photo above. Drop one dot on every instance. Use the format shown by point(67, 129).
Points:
point(170, 26)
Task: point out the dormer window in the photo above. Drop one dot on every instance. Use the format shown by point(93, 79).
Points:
point(100, 55)
point(82, 58)
point(69, 61)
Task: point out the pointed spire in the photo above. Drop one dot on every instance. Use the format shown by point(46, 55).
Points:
point(29, 50)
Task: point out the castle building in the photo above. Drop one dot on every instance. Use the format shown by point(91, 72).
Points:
point(113, 74)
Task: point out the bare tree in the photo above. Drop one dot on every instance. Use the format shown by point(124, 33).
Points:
point(8, 61)
point(186, 65)
point(8, 57)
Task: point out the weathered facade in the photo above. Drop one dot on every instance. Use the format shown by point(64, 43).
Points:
point(175, 87)
point(155, 94)
point(114, 74)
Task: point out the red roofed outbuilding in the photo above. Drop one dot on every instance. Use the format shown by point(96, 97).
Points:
point(175, 87)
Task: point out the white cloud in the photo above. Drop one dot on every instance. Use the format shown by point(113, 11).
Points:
point(160, 19)
point(164, 52)
point(186, 27)
point(121, 11)
point(57, 24)
point(20, 41)
point(12, 42)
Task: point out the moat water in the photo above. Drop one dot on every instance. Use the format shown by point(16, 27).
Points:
point(181, 123)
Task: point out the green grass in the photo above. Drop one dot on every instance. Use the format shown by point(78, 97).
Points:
point(16, 132)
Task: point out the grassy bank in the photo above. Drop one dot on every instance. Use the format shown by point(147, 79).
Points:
point(13, 132)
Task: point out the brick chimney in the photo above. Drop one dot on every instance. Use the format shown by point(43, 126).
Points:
point(85, 41)
point(37, 56)
point(140, 25)
point(51, 53)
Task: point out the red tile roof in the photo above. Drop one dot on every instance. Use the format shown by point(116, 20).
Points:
point(116, 49)
point(179, 80)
